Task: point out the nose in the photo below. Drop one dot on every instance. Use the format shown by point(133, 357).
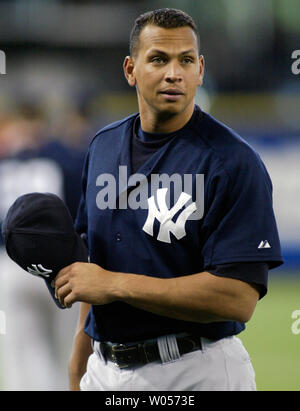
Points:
point(173, 73)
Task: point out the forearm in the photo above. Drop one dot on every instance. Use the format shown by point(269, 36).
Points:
point(81, 350)
point(199, 298)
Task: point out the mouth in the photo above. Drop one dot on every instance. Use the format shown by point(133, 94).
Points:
point(172, 94)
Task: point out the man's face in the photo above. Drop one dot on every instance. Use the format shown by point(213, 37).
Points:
point(166, 70)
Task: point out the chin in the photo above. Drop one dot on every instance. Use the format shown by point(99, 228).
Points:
point(171, 109)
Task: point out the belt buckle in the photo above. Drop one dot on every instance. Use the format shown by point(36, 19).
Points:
point(117, 357)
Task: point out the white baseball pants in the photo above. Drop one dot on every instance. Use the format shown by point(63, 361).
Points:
point(222, 365)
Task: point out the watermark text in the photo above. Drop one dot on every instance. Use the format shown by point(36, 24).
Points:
point(113, 192)
point(172, 200)
point(2, 62)
point(296, 63)
point(296, 324)
point(2, 323)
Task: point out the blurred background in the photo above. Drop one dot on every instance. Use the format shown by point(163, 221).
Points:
point(64, 80)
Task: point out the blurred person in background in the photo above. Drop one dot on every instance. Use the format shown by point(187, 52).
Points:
point(35, 349)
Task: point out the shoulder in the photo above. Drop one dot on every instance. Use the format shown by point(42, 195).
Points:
point(114, 128)
point(234, 154)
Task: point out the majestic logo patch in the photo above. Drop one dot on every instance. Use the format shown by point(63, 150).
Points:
point(165, 215)
point(264, 244)
point(39, 271)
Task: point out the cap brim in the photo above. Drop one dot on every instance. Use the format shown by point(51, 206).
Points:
point(52, 293)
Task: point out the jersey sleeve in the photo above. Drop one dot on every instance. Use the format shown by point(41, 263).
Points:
point(239, 222)
point(255, 273)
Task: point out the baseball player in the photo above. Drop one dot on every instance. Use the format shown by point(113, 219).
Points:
point(177, 209)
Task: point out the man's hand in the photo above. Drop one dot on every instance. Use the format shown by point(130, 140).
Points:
point(85, 282)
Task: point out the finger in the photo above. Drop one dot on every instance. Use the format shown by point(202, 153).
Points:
point(63, 272)
point(60, 281)
point(62, 292)
point(69, 300)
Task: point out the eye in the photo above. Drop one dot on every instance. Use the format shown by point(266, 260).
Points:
point(187, 60)
point(157, 60)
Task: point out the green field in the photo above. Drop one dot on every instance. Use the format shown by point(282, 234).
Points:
point(273, 348)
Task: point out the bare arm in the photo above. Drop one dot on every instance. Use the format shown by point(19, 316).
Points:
point(201, 297)
point(81, 350)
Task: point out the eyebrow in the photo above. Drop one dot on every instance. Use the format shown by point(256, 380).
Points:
point(156, 51)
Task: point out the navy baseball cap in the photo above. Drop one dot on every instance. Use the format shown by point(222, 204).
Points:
point(40, 237)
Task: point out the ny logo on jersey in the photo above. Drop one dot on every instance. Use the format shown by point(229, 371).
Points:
point(164, 216)
point(39, 271)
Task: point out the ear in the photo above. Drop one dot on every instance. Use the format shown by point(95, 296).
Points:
point(201, 70)
point(129, 72)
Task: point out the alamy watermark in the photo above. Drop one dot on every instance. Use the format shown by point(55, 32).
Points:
point(139, 191)
point(169, 199)
point(2, 323)
point(2, 62)
point(296, 324)
point(296, 64)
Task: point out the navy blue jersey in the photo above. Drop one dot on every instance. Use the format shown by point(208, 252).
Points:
point(201, 201)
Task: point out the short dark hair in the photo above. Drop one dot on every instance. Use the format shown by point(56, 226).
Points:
point(166, 18)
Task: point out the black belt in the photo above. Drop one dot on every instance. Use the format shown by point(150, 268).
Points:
point(144, 352)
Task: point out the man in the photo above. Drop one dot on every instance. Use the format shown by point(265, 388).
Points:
point(169, 285)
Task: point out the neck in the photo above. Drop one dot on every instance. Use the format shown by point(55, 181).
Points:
point(164, 123)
